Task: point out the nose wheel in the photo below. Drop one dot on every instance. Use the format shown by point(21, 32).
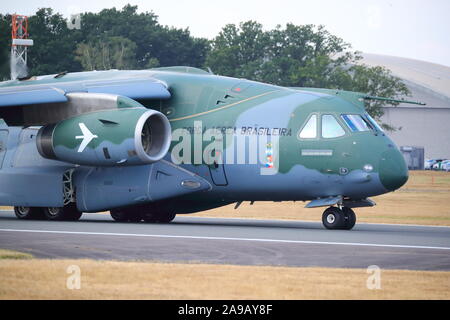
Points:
point(336, 218)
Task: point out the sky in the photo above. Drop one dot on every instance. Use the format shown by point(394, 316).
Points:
point(414, 29)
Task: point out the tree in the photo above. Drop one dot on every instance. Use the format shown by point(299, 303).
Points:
point(125, 23)
point(109, 53)
point(295, 56)
point(126, 38)
point(156, 45)
point(239, 51)
point(54, 44)
point(175, 47)
point(5, 46)
point(299, 56)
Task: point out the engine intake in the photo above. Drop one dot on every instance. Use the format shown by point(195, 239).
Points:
point(152, 136)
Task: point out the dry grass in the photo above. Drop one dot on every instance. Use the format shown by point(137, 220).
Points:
point(46, 279)
point(425, 199)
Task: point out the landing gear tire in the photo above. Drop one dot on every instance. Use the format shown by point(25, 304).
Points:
point(158, 218)
point(126, 215)
point(66, 213)
point(157, 214)
point(349, 218)
point(334, 218)
point(29, 213)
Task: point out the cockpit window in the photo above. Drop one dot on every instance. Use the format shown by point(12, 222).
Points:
point(355, 122)
point(330, 127)
point(309, 130)
point(374, 123)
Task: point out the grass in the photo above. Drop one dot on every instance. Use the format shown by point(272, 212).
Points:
point(8, 254)
point(425, 199)
point(46, 279)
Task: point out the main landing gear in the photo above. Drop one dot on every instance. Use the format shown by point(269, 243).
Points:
point(151, 213)
point(339, 218)
point(66, 213)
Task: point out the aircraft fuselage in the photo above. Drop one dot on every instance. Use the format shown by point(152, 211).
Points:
point(233, 139)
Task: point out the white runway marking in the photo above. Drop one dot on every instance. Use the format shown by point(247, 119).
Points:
point(262, 220)
point(227, 238)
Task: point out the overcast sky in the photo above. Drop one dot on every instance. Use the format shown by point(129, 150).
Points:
point(415, 29)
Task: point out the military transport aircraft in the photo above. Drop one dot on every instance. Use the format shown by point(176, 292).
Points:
point(150, 144)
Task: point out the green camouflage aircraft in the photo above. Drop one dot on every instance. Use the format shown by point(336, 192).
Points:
point(150, 144)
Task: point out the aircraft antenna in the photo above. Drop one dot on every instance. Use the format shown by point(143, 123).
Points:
point(19, 46)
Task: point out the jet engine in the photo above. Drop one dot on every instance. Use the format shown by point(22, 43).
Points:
point(123, 136)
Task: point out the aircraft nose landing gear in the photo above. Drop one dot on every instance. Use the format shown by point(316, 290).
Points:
point(339, 218)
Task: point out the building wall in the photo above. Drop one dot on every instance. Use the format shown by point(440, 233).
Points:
point(428, 126)
point(421, 126)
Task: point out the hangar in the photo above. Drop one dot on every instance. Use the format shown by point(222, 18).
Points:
point(422, 126)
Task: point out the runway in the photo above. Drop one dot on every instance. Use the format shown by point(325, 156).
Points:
point(231, 241)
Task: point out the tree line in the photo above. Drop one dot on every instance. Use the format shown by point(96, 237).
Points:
point(291, 55)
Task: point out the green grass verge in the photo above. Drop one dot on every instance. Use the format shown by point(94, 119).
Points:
point(9, 254)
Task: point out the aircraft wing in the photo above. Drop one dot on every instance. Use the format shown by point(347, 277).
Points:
point(20, 95)
point(23, 96)
point(134, 89)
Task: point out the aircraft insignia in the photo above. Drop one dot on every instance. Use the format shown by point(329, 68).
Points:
point(87, 137)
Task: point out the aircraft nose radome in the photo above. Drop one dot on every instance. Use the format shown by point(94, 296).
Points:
point(393, 170)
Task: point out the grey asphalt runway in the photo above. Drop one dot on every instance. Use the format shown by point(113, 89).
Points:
point(231, 241)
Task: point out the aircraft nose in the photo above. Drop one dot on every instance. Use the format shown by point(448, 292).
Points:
point(393, 169)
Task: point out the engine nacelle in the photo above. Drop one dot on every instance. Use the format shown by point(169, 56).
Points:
point(126, 136)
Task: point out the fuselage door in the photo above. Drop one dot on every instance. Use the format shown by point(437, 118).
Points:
point(218, 176)
point(217, 171)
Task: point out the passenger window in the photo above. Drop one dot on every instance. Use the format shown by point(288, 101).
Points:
point(355, 122)
point(330, 127)
point(309, 130)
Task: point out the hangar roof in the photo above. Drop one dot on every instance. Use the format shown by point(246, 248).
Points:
point(428, 82)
